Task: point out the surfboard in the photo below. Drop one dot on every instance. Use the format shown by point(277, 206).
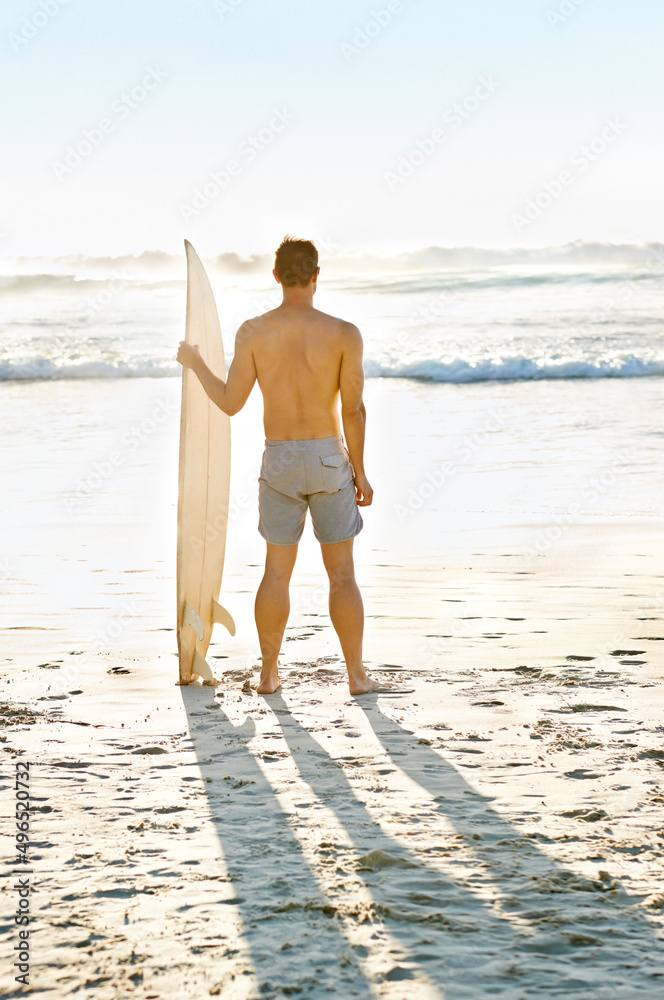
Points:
point(203, 487)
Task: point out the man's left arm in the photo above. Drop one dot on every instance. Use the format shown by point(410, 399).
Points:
point(229, 395)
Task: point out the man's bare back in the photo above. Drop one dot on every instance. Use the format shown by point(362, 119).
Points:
point(298, 356)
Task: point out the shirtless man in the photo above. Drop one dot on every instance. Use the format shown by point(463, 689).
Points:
point(303, 361)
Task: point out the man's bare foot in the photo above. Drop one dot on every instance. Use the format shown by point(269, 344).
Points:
point(359, 682)
point(269, 682)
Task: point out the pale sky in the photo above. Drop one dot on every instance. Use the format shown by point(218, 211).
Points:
point(314, 106)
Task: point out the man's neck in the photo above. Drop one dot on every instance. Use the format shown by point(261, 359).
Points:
point(298, 298)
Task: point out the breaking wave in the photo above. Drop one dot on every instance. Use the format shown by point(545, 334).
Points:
point(516, 369)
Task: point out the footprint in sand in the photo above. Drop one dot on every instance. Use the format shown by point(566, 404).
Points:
point(398, 974)
point(587, 815)
point(378, 859)
point(657, 755)
point(595, 708)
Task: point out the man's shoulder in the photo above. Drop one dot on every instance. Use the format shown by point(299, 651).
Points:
point(253, 327)
point(350, 334)
point(340, 326)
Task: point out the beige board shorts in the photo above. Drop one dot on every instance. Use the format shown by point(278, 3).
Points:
point(314, 474)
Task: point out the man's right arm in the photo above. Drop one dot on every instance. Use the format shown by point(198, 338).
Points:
point(353, 412)
point(232, 393)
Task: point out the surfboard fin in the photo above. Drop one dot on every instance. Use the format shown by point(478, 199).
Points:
point(191, 618)
point(201, 668)
point(222, 616)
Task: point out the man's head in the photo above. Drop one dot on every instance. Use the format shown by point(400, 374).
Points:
point(296, 263)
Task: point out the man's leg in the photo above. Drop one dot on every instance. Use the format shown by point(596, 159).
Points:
point(347, 612)
point(272, 607)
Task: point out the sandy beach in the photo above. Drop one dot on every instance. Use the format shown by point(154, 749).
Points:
point(499, 831)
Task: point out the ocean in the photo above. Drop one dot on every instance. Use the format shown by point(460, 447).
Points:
point(522, 387)
point(556, 317)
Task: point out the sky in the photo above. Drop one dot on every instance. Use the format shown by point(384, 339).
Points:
point(129, 125)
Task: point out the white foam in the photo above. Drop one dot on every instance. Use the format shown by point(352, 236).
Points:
point(460, 371)
point(514, 369)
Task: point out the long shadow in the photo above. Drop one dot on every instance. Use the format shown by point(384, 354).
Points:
point(447, 931)
point(294, 940)
point(592, 925)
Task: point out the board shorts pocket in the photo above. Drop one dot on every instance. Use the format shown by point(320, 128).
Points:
point(333, 461)
point(334, 473)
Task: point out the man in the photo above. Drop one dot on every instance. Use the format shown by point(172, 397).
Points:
point(304, 361)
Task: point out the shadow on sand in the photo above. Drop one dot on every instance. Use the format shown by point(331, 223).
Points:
point(291, 932)
point(495, 917)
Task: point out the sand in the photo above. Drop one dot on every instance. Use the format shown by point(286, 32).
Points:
point(498, 832)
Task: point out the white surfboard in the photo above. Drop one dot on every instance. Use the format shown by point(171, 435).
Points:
point(203, 488)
